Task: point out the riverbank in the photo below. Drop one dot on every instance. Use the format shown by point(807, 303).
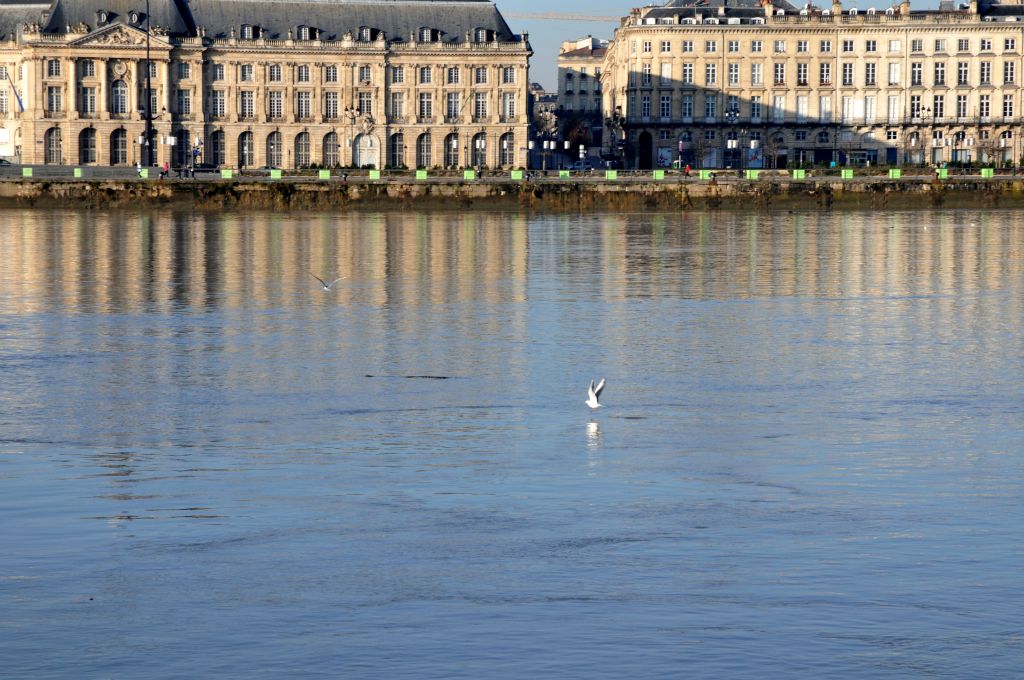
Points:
point(543, 194)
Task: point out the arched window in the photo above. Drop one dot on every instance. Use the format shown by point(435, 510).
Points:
point(507, 148)
point(330, 150)
point(87, 146)
point(302, 156)
point(274, 150)
point(423, 150)
point(53, 149)
point(119, 98)
point(216, 153)
point(364, 33)
point(246, 150)
point(119, 147)
point(451, 151)
point(480, 150)
point(397, 158)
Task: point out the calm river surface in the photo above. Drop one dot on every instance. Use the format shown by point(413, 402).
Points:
point(810, 463)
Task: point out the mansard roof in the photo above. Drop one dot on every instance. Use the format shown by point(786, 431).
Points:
point(15, 13)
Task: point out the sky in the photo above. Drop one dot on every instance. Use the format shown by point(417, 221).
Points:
point(547, 35)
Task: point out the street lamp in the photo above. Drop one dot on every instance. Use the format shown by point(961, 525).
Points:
point(149, 95)
point(732, 116)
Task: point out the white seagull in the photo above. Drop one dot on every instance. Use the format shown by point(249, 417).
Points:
point(594, 394)
point(327, 286)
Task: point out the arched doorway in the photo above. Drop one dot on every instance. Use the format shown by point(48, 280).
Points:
point(87, 146)
point(53, 148)
point(507, 149)
point(215, 149)
point(451, 150)
point(423, 151)
point(119, 147)
point(330, 150)
point(397, 150)
point(183, 149)
point(246, 151)
point(274, 150)
point(302, 152)
point(364, 151)
point(645, 152)
point(480, 150)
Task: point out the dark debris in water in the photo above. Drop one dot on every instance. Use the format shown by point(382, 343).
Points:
point(411, 377)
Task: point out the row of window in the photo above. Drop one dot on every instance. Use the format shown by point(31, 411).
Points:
point(363, 34)
point(825, 46)
point(247, 73)
point(870, 74)
point(853, 109)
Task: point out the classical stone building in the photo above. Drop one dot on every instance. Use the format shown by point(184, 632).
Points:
point(742, 83)
point(239, 83)
point(579, 90)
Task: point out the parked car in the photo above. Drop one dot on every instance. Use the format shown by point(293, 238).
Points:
point(5, 162)
point(585, 164)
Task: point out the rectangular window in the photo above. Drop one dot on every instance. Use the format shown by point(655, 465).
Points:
point(779, 46)
point(756, 74)
point(687, 46)
point(331, 74)
point(645, 106)
point(218, 72)
point(645, 77)
point(869, 110)
point(847, 46)
point(755, 108)
point(895, 46)
point(365, 74)
point(508, 106)
point(86, 100)
point(1009, 72)
point(4, 104)
point(938, 107)
point(917, 46)
point(246, 73)
point(756, 46)
point(847, 73)
point(962, 73)
point(961, 106)
point(710, 74)
point(940, 73)
point(963, 45)
point(710, 106)
point(1010, 44)
point(894, 73)
point(915, 107)
point(710, 46)
point(331, 105)
point(304, 105)
point(275, 105)
point(480, 75)
point(453, 75)
point(508, 75)
point(916, 73)
point(871, 46)
point(801, 75)
point(88, 69)
point(825, 73)
point(396, 104)
point(779, 109)
point(780, 73)
point(894, 109)
point(869, 75)
point(666, 106)
point(1007, 106)
point(940, 45)
point(451, 108)
point(985, 106)
point(825, 46)
point(479, 106)
point(985, 76)
point(426, 75)
point(53, 68)
point(647, 46)
point(426, 107)
point(397, 75)
point(734, 46)
point(184, 101)
point(53, 100)
point(687, 74)
point(247, 105)
point(687, 107)
point(666, 45)
point(801, 109)
point(365, 103)
point(184, 71)
point(986, 45)
point(666, 73)
point(218, 104)
point(801, 46)
point(734, 74)
point(824, 109)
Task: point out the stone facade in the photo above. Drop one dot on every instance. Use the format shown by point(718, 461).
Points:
point(737, 83)
point(307, 84)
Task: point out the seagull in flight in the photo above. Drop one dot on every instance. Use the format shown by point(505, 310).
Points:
point(594, 394)
point(327, 286)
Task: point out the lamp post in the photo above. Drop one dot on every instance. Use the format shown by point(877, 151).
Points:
point(149, 95)
point(732, 116)
point(481, 146)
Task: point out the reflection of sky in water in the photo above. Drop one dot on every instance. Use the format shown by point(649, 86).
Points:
point(809, 451)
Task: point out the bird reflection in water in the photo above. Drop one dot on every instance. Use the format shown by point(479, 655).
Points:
point(593, 435)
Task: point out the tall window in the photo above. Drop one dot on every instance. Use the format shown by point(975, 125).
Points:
point(53, 68)
point(480, 75)
point(218, 103)
point(780, 73)
point(216, 149)
point(825, 73)
point(218, 71)
point(986, 72)
point(303, 158)
point(86, 100)
point(940, 73)
point(302, 74)
point(331, 74)
point(397, 159)
point(119, 147)
point(247, 105)
point(869, 75)
point(423, 151)
point(508, 75)
point(916, 72)
point(480, 150)
point(53, 99)
point(304, 105)
point(426, 75)
point(426, 107)
point(451, 150)
point(397, 75)
point(184, 101)
point(331, 105)
point(275, 152)
point(87, 146)
point(507, 149)
point(274, 73)
point(453, 75)
point(508, 106)
point(1009, 72)
point(330, 150)
point(479, 106)
point(665, 110)
point(275, 105)
point(365, 103)
point(246, 74)
point(710, 74)
point(1008, 106)
point(962, 73)
point(88, 67)
point(365, 74)
point(184, 70)
point(246, 150)
point(451, 108)
point(756, 74)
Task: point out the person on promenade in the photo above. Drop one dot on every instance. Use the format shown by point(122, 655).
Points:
point(686, 170)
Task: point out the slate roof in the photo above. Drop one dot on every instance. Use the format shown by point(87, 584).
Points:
point(700, 8)
point(14, 13)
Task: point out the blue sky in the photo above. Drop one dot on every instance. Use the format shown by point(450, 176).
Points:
point(546, 35)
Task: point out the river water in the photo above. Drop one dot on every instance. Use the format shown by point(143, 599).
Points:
point(810, 462)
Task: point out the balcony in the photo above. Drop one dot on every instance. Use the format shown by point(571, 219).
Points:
point(508, 118)
point(53, 114)
point(393, 120)
point(481, 118)
point(780, 83)
point(425, 120)
point(88, 115)
point(453, 119)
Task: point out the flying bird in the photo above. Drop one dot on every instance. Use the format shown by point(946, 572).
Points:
point(327, 286)
point(594, 394)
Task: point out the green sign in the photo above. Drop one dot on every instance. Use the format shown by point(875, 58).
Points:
point(78, 173)
point(847, 174)
point(26, 172)
point(988, 173)
point(275, 174)
point(421, 174)
point(325, 174)
point(144, 173)
point(469, 175)
point(753, 174)
point(799, 174)
point(943, 173)
point(517, 174)
point(563, 174)
point(705, 174)
point(226, 174)
point(658, 174)
point(374, 174)
point(895, 173)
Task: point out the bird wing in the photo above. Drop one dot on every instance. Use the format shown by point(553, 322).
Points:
point(331, 285)
point(590, 392)
point(600, 388)
point(319, 279)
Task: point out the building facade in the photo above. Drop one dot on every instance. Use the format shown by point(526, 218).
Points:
point(287, 84)
point(741, 83)
point(580, 63)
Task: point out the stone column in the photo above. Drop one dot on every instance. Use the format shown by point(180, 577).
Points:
point(72, 89)
point(103, 96)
